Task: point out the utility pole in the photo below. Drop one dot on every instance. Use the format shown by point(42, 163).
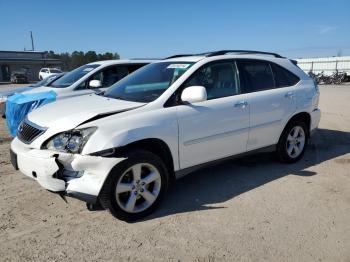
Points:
point(31, 37)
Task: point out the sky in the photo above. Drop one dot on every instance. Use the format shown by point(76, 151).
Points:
point(160, 28)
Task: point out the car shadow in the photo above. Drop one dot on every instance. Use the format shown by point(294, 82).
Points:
point(222, 182)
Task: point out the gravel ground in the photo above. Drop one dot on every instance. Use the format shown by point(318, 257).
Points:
point(8, 87)
point(251, 209)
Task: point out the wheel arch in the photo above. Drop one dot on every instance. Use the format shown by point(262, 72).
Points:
point(300, 116)
point(154, 145)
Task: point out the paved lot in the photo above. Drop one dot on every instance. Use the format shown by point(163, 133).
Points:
point(252, 209)
point(7, 87)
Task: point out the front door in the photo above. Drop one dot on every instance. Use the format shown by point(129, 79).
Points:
point(218, 127)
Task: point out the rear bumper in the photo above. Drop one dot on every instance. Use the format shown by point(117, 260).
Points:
point(79, 176)
point(315, 120)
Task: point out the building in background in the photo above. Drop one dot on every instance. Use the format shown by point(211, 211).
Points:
point(327, 65)
point(29, 62)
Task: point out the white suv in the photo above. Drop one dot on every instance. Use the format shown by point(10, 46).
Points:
point(46, 72)
point(122, 149)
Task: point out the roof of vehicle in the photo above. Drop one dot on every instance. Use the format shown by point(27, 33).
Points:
point(123, 61)
point(223, 54)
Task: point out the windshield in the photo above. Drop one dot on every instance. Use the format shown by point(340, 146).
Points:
point(46, 81)
point(149, 82)
point(73, 76)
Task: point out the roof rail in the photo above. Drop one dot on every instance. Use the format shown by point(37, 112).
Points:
point(144, 58)
point(224, 52)
point(180, 55)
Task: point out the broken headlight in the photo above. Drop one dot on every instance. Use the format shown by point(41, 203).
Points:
point(72, 141)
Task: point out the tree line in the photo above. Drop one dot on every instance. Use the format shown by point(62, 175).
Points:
point(78, 58)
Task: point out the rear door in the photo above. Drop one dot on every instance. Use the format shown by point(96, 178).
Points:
point(271, 100)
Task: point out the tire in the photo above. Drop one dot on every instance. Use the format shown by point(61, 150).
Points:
point(288, 141)
point(40, 77)
point(123, 174)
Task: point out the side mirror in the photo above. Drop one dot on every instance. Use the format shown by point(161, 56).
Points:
point(194, 94)
point(95, 84)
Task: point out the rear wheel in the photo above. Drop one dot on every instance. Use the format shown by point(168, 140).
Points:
point(293, 141)
point(135, 186)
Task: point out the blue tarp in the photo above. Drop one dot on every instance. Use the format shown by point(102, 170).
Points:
point(19, 105)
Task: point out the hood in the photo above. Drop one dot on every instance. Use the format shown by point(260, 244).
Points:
point(39, 90)
point(68, 113)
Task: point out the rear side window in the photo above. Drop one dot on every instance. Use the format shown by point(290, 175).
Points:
point(283, 77)
point(257, 74)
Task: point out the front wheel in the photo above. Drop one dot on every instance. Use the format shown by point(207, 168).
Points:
point(292, 143)
point(135, 186)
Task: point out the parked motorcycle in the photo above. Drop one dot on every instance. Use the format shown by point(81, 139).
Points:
point(334, 79)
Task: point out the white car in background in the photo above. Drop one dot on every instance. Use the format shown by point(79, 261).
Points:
point(121, 149)
point(46, 72)
point(91, 78)
point(5, 94)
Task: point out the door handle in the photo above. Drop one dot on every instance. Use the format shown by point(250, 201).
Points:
point(241, 104)
point(289, 95)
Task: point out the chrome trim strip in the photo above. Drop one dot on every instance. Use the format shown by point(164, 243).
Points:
point(228, 133)
point(267, 124)
point(216, 136)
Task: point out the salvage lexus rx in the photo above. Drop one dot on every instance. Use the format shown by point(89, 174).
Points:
point(122, 148)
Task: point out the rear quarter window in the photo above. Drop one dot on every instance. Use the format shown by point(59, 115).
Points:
point(283, 77)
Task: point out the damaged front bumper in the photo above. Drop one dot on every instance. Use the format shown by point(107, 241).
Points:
point(79, 176)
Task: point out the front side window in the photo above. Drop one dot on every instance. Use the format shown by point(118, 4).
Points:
point(73, 76)
point(110, 75)
point(149, 82)
point(219, 79)
point(257, 74)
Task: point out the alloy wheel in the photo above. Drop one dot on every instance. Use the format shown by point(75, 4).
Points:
point(138, 187)
point(295, 142)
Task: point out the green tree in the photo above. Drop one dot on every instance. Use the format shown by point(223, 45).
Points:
point(78, 58)
point(90, 56)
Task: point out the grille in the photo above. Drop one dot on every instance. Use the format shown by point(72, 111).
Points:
point(28, 132)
